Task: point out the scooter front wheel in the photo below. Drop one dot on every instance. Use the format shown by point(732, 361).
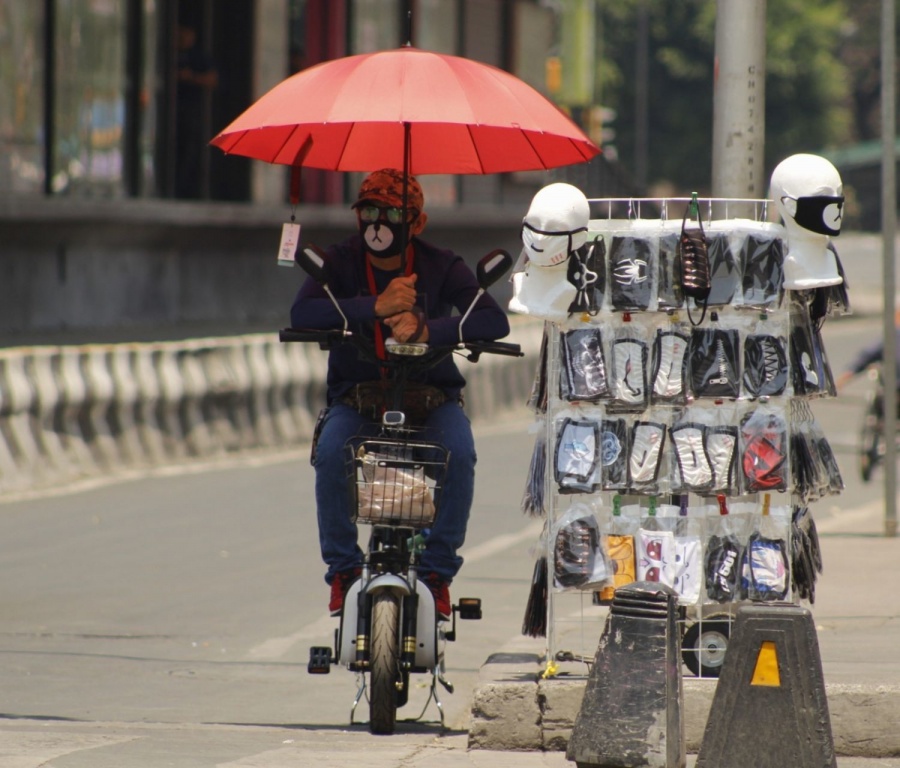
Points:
point(384, 661)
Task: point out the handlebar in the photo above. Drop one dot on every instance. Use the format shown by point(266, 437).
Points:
point(328, 339)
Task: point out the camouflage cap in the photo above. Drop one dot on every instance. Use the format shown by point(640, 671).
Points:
point(386, 187)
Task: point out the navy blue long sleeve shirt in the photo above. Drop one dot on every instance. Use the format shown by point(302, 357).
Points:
point(445, 285)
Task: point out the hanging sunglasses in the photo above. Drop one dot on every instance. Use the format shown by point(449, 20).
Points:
point(372, 213)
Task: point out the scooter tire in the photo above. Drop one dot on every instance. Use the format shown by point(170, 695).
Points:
point(384, 663)
point(870, 445)
point(704, 645)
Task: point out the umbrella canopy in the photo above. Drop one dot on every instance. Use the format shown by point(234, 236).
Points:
point(440, 113)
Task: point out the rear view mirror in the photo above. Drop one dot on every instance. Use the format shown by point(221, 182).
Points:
point(312, 259)
point(492, 267)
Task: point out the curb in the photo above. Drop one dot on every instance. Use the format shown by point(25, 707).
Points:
point(514, 709)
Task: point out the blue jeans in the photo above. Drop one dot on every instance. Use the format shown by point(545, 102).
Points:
point(338, 535)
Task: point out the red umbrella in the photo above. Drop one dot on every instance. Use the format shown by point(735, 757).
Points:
point(407, 108)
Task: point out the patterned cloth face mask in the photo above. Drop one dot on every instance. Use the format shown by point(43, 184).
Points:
point(669, 363)
point(694, 468)
point(629, 386)
point(765, 569)
point(721, 445)
point(584, 366)
point(820, 213)
point(614, 454)
point(629, 267)
point(577, 458)
point(723, 568)
point(549, 243)
point(714, 366)
point(647, 439)
point(765, 366)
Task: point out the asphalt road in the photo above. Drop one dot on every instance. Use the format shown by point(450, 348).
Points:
point(166, 620)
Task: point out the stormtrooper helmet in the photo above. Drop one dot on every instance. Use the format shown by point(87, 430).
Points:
point(808, 194)
point(555, 225)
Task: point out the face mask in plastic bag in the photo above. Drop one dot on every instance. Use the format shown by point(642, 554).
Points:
point(831, 299)
point(714, 363)
point(693, 250)
point(723, 568)
point(669, 366)
point(629, 274)
point(829, 461)
point(614, 454)
point(656, 557)
point(810, 372)
point(804, 370)
point(629, 384)
point(621, 552)
point(577, 458)
point(584, 366)
point(584, 272)
point(687, 568)
point(763, 271)
point(765, 569)
point(765, 365)
point(721, 447)
point(764, 459)
point(575, 550)
point(647, 439)
point(724, 271)
point(694, 468)
point(669, 291)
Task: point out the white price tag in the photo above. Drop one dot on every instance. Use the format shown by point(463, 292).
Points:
point(290, 237)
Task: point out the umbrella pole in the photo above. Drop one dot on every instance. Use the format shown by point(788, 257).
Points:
point(404, 229)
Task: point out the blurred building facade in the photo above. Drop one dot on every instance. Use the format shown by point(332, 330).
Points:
point(109, 189)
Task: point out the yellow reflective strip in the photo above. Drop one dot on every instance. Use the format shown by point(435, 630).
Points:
point(766, 670)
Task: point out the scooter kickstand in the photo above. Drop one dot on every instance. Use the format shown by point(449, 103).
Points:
point(359, 694)
point(448, 686)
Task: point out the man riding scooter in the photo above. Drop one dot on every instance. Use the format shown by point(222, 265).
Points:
point(385, 294)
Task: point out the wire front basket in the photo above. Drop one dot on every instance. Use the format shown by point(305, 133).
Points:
point(396, 481)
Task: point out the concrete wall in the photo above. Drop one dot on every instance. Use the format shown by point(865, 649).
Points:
point(74, 271)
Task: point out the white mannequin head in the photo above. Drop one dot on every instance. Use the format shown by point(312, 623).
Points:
point(808, 194)
point(556, 224)
point(554, 228)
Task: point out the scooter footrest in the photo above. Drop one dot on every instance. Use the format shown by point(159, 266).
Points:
point(319, 660)
point(469, 608)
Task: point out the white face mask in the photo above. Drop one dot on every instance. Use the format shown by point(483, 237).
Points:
point(555, 225)
point(547, 249)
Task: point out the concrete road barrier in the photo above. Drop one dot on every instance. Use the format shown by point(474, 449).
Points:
point(72, 412)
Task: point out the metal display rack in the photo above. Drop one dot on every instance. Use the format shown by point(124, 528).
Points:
point(677, 510)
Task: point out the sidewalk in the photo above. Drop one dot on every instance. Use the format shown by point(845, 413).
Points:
point(857, 615)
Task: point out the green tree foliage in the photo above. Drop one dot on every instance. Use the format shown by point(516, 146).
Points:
point(807, 85)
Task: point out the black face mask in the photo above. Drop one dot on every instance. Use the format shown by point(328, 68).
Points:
point(382, 238)
point(810, 210)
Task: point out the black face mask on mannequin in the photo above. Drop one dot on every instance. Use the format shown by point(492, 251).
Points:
point(810, 210)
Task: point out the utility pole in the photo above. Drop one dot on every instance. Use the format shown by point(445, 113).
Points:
point(888, 234)
point(739, 99)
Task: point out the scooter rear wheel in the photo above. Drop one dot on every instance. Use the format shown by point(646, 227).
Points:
point(384, 663)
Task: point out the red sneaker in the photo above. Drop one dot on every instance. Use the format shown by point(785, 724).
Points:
point(440, 588)
point(339, 586)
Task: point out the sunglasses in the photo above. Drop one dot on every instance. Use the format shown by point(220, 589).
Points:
point(372, 213)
